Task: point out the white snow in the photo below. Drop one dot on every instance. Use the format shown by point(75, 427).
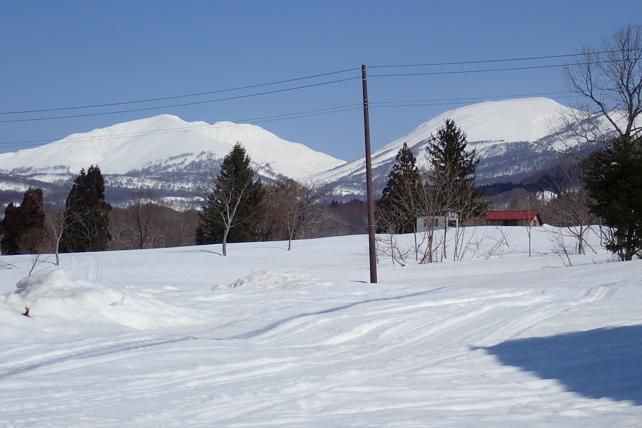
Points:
point(267, 337)
point(522, 119)
point(16, 187)
point(53, 294)
point(133, 145)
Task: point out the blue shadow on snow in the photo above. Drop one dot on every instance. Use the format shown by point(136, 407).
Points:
point(601, 363)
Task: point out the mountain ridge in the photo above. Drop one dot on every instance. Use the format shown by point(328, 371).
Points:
point(138, 144)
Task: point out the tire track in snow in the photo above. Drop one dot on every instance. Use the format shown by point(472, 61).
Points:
point(86, 353)
point(530, 318)
point(425, 339)
point(534, 314)
point(341, 378)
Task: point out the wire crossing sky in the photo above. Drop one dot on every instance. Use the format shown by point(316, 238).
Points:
point(72, 66)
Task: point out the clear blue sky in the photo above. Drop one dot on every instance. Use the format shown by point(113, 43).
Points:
point(84, 52)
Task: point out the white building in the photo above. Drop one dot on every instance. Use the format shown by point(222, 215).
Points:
point(451, 219)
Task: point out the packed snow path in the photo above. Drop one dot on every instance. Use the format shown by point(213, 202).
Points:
point(509, 341)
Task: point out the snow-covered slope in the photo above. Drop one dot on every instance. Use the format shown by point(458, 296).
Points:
point(496, 129)
point(265, 337)
point(167, 140)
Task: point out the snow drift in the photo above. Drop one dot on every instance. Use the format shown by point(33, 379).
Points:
point(267, 279)
point(53, 294)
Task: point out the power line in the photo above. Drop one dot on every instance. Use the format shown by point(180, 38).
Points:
point(303, 114)
point(452, 103)
point(189, 128)
point(173, 97)
point(483, 70)
point(295, 79)
point(522, 95)
point(311, 85)
point(487, 61)
point(405, 74)
point(256, 94)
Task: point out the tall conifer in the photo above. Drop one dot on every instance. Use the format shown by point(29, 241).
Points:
point(613, 179)
point(23, 226)
point(397, 208)
point(86, 217)
point(452, 174)
point(230, 210)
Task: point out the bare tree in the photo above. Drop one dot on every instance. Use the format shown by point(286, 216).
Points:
point(291, 211)
point(142, 212)
point(56, 223)
point(390, 220)
point(561, 248)
point(227, 207)
point(389, 246)
point(430, 204)
point(610, 79)
point(570, 208)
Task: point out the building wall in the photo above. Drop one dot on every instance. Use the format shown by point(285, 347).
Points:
point(439, 222)
point(533, 222)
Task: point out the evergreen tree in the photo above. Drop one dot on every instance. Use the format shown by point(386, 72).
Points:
point(613, 178)
point(231, 210)
point(23, 227)
point(397, 208)
point(11, 230)
point(453, 171)
point(448, 154)
point(86, 216)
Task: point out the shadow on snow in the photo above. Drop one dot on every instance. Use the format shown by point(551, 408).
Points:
point(601, 363)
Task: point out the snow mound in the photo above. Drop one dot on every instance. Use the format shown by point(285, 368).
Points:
point(267, 279)
point(53, 294)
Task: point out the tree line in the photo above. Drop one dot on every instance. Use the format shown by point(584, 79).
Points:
point(82, 225)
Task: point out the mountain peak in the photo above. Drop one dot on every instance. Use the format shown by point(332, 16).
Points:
point(520, 119)
point(133, 145)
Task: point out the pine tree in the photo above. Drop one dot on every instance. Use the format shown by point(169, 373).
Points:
point(448, 154)
point(230, 211)
point(613, 179)
point(453, 171)
point(86, 216)
point(24, 226)
point(397, 208)
point(11, 230)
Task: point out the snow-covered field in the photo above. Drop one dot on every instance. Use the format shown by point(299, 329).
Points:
point(266, 337)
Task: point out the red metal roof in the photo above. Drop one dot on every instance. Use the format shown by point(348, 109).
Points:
point(511, 215)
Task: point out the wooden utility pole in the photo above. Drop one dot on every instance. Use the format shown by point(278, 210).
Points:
point(372, 228)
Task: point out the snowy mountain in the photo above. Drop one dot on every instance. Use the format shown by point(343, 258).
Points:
point(175, 159)
point(167, 141)
point(164, 153)
point(512, 137)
